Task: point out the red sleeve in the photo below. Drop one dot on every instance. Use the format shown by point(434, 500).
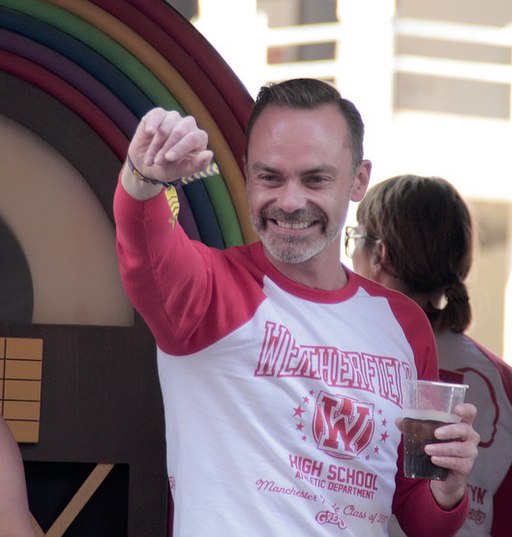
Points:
point(415, 325)
point(178, 284)
point(419, 334)
point(149, 249)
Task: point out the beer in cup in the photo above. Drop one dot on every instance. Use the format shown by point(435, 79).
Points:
point(427, 406)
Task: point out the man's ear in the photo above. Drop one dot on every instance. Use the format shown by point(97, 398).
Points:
point(361, 181)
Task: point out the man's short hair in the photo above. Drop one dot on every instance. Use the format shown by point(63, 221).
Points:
point(310, 93)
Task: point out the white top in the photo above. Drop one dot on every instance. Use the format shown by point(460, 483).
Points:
point(280, 400)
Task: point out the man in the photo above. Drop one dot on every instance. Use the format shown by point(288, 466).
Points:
point(281, 370)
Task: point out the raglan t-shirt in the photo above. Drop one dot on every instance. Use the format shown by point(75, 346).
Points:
point(280, 400)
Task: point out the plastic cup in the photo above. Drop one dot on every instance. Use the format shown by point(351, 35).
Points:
point(427, 406)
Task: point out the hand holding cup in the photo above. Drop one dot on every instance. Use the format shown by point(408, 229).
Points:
point(428, 405)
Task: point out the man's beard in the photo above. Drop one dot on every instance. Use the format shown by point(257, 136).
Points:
point(294, 248)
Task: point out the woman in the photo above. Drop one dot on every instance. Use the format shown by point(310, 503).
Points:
point(414, 234)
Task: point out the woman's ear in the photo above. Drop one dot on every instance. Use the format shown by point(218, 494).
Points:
point(380, 250)
point(381, 258)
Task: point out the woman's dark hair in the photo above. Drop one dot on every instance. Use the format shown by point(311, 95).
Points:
point(309, 93)
point(427, 229)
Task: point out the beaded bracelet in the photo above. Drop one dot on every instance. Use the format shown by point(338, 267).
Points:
point(142, 177)
point(211, 170)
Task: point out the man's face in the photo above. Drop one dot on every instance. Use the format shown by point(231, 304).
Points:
point(300, 180)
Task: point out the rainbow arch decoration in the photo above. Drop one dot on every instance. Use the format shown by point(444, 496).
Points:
point(98, 66)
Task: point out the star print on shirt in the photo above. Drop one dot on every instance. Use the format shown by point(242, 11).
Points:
point(299, 411)
point(383, 435)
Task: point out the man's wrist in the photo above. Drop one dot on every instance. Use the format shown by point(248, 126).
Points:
point(141, 177)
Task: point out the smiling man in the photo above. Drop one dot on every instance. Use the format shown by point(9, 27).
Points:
point(300, 178)
point(281, 370)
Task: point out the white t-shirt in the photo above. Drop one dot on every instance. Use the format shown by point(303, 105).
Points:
point(280, 400)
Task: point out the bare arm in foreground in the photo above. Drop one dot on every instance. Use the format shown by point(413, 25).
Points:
point(15, 518)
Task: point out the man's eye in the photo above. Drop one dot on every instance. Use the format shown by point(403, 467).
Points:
point(315, 180)
point(269, 178)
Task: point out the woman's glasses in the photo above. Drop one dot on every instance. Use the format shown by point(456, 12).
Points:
point(351, 238)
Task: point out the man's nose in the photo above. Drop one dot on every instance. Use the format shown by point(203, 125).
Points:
point(291, 196)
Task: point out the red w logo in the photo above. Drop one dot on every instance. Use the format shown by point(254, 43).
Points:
point(342, 426)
